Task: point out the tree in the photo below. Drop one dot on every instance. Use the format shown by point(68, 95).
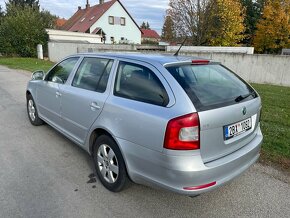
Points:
point(168, 32)
point(227, 23)
point(145, 26)
point(214, 22)
point(253, 12)
point(22, 29)
point(12, 4)
point(190, 19)
point(273, 29)
point(23, 3)
point(1, 14)
point(48, 20)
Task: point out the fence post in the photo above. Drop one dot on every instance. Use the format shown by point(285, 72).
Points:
point(39, 52)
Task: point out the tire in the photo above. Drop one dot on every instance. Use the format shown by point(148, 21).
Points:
point(109, 163)
point(32, 112)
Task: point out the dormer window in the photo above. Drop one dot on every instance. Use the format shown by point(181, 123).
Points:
point(83, 19)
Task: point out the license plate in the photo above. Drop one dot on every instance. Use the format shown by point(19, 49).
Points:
point(237, 128)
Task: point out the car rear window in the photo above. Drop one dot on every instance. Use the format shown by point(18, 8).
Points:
point(211, 86)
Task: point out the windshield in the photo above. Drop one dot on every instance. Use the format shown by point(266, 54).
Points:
point(211, 86)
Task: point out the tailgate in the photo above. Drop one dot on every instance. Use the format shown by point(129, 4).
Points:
point(215, 139)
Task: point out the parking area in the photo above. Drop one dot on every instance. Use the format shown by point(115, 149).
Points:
point(43, 174)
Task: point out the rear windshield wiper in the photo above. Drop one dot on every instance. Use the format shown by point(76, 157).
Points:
point(242, 97)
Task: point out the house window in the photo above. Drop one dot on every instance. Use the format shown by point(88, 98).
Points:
point(111, 20)
point(123, 21)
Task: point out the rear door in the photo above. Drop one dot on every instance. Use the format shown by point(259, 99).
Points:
point(228, 108)
point(83, 99)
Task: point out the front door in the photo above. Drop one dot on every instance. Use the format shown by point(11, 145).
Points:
point(48, 94)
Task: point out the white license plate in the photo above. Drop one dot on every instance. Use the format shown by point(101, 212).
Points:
point(237, 128)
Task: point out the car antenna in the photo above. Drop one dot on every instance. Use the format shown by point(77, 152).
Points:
point(176, 53)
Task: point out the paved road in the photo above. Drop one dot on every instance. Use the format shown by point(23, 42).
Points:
point(42, 174)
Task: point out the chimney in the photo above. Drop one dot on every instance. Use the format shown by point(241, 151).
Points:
point(101, 2)
point(79, 8)
point(87, 5)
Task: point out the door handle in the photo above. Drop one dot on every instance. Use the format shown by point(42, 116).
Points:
point(58, 94)
point(94, 106)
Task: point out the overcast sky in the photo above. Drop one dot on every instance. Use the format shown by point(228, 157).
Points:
point(152, 11)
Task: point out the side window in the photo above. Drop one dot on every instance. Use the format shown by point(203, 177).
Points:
point(139, 83)
point(62, 70)
point(93, 74)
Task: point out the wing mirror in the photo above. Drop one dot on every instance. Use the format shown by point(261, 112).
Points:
point(38, 75)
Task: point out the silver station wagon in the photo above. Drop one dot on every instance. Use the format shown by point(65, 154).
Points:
point(185, 124)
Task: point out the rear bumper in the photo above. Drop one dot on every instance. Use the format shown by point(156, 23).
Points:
point(175, 172)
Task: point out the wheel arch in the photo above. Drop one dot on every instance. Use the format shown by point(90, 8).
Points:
point(101, 131)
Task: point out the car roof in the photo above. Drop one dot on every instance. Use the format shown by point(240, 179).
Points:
point(160, 58)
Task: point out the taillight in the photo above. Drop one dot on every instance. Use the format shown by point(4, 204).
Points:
point(182, 133)
point(200, 62)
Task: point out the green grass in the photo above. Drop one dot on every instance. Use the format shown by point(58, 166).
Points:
point(275, 123)
point(29, 64)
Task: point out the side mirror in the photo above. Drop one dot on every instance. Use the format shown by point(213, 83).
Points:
point(57, 79)
point(38, 75)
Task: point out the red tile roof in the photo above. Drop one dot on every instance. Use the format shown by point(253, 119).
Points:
point(149, 34)
point(83, 19)
point(60, 22)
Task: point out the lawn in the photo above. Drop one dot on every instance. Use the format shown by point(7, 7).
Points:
point(30, 64)
point(275, 123)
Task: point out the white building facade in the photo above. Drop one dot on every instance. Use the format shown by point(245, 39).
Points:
point(108, 19)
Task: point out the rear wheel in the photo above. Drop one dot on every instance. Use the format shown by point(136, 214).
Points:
point(109, 163)
point(32, 112)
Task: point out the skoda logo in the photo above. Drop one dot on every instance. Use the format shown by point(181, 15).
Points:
point(244, 110)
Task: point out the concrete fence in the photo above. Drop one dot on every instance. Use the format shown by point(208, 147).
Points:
point(271, 69)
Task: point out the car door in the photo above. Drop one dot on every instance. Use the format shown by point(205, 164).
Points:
point(84, 98)
point(48, 93)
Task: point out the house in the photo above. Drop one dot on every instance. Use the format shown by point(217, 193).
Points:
point(150, 36)
point(60, 22)
point(109, 19)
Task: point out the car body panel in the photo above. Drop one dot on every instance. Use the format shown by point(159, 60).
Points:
point(48, 101)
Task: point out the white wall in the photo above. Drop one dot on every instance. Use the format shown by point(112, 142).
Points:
point(263, 69)
point(130, 31)
point(272, 69)
point(60, 35)
point(215, 49)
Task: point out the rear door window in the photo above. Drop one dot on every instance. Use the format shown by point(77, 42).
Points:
point(137, 82)
point(93, 74)
point(211, 86)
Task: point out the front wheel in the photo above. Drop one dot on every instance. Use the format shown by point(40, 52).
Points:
point(32, 112)
point(109, 163)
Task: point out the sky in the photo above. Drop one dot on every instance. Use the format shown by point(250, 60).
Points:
point(152, 11)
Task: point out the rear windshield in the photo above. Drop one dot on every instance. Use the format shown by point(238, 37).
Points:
point(211, 86)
